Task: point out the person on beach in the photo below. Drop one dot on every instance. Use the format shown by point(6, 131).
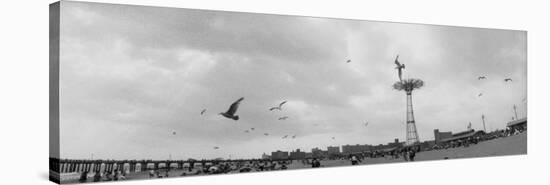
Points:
point(354, 160)
point(412, 153)
point(83, 176)
point(151, 173)
point(405, 154)
point(315, 163)
point(115, 175)
point(108, 176)
point(97, 176)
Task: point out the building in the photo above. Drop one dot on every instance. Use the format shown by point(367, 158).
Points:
point(350, 149)
point(277, 155)
point(333, 150)
point(318, 153)
point(520, 124)
point(395, 144)
point(438, 136)
point(296, 155)
point(463, 135)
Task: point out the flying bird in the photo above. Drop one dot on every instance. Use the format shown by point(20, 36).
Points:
point(278, 107)
point(283, 118)
point(203, 111)
point(366, 123)
point(507, 79)
point(215, 148)
point(294, 137)
point(332, 137)
point(174, 133)
point(252, 128)
point(399, 67)
point(284, 137)
point(230, 113)
point(348, 61)
point(481, 78)
point(480, 94)
point(266, 134)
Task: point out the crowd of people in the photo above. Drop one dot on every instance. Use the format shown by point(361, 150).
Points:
point(407, 153)
point(473, 140)
point(98, 176)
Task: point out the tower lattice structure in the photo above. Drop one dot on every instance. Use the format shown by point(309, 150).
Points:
point(412, 134)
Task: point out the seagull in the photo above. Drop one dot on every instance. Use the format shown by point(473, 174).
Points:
point(481, 78)
point(230, 113)
point(278, 107)
point(480, 94)
point(284, 137)
point(266, 134)
point(283, 118)
point(174, 133)
point(348, 61)
point(294, 137)
point(215, 148)
point(202, 112)
point(366, 123)
point(332, 137)
point(507, 79)
point(252, 128)
point(399, 67)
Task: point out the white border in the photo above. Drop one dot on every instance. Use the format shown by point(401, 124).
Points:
point(24, 97)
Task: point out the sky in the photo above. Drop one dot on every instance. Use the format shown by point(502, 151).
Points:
point(131, 76)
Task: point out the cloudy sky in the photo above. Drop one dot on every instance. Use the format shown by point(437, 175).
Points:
point(132, 75)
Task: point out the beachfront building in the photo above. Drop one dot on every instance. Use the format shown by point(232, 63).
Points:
point(277, 155)
point(463, 135)
point(350, 149)
point(333, 150)
point(318, 153)
point(438, 136)
point(297, 155)
point(519, 124)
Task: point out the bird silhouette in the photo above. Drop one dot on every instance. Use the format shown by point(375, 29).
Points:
point(366, 123)
point(278, 107)
point(284, 137)
point(480, 94)
point(266, 134)
point(507, 79)
point(348, 61)
point(230, 113)
point(333, 138)
point(215, 148)
point(399, 67)
point(283, 118)
point(294, 137)
point(481, 78)
point(203, 111)
point(173, 133)
point(252, 128)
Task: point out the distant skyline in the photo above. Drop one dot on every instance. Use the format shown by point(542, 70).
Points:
point(134, 80)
